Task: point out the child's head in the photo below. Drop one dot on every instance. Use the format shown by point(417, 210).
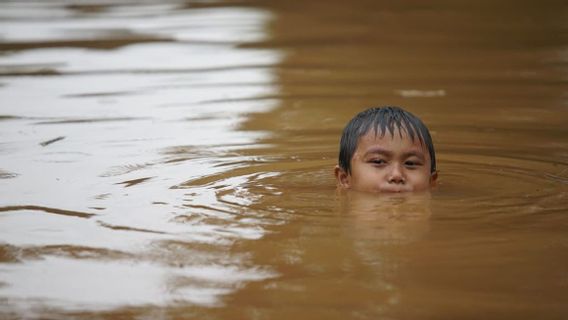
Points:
point(386, 149)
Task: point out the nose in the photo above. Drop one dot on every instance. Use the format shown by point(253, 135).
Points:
point(396, 176)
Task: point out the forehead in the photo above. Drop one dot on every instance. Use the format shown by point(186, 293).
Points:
point(399, 140)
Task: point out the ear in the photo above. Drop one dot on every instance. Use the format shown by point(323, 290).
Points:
point(434, 178)
point(342, 177)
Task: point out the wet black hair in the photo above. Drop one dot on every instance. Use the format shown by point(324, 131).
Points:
point(381, 119)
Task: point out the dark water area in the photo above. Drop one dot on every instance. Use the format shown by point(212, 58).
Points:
point(174, 160)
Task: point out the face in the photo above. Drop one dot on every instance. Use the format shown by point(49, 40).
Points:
point(389, 163)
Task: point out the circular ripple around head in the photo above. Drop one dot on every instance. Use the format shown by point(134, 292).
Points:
point(493, 184)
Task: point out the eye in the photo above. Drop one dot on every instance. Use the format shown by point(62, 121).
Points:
point(379, 162)
point(412, 163)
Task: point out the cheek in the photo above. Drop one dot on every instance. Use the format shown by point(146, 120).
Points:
point(365, 175)
point(421, 179)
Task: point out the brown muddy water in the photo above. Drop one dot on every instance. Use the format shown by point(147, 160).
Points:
point(173, 160)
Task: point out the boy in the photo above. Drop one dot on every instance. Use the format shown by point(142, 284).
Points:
point(386, 149)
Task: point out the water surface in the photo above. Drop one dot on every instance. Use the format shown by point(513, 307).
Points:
point(175, 160)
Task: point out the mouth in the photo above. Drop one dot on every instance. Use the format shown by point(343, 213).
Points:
point(394, 190)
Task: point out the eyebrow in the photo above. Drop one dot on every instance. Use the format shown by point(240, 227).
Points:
point(414, 153)
point(378, 150)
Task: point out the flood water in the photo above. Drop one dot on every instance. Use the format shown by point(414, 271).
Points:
point(174, 160)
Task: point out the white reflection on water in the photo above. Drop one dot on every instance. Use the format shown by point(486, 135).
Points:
point(41, 22)
point(138, 121)
point(79, 284)
point(141, 58)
